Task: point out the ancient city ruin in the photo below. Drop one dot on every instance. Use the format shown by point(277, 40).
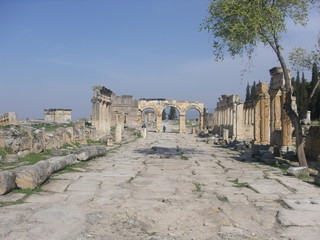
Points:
point(194, 161)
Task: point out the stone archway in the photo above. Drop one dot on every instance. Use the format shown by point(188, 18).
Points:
point(159, 104)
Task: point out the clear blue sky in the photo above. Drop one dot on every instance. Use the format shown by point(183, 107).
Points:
point(54, 51)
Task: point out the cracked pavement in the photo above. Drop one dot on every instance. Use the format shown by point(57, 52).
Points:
point(168, 186)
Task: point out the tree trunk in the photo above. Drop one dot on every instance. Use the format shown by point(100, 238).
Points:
point(291, 113)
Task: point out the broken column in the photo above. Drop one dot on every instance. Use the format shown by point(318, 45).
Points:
point(262, 114)
point(182, 121)
point(101, 101)
point(281, 126)
point(118, 133)
point(225, 135)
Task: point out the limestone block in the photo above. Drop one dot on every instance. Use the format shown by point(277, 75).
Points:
point(296, 171)
point(11, 158)
point(33, 176)
point(118, 134)
point(7, 181)
point(87, 153)
point(144, 133)
point(59, 163)
point(109, 142)
point(225, 134)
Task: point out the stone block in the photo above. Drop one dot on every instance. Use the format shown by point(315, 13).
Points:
point(33, 176)
point(109, 142)
point(86, 153)
point(296, 171)
point(7, 181)
point(11, 158)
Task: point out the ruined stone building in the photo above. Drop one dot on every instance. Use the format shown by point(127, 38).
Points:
point(264, 120)
point(110, 110)
point(57, 115)
point(8, 119)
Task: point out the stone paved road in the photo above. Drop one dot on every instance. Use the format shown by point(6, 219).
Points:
point(169, 186)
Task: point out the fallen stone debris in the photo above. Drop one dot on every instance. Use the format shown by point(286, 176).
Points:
point(30, 177)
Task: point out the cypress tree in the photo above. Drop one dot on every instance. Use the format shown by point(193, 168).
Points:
point(303, 97)
point(164, 115)
point(253, 91)
point(172, 114)
point(248, 93)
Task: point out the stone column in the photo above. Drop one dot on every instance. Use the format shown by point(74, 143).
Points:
point(118, 133)
point(226, 134)
point(201, 122)
point(159, 122)
point(265, 119)
point(257, 122)
point(182, 122)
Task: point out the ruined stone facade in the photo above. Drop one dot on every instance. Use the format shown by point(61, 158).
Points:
point(263, 120)
point(228, 115)
point(8, 119)
point(159, 105)
point(57, 115)
point(26, 139)
point(110, 110)
point(101, 102)
point(125, 107)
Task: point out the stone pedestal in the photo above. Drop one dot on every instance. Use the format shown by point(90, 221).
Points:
point(225, 135)
point(182, 120)
point(109, 142)
point(144, 133)
point(118, 133)
point(193, 130)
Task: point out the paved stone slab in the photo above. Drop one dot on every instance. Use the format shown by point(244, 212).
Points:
point(134, 193)
point(288, 217)
point(269, 186)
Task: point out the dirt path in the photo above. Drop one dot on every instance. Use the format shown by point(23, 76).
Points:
point(168, 186)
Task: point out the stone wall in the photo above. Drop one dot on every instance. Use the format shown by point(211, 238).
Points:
point(127, 106)
point(229, 115)
point(312, 143)
point(263, 119)
point(8, 119)
point(57, 115)
point(25, 139)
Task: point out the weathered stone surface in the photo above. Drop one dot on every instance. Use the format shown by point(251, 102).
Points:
point(87, 153)
point(33, 176)
point(11, 158)
point(59, 163)
point(7, 182)
point(289, 217)
point(296, 171)
point(60, 152)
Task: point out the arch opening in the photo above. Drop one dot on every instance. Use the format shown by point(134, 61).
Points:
point(149, 119)
point(193, 117)
point(170, 119)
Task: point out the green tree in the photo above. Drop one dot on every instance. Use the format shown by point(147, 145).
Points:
point(303, 98)
point(253, 94)
point(172, 114)
point(164, 115)
point(248, 92)
point(239, 26)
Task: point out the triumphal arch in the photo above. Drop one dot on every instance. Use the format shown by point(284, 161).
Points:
point(159, 105)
